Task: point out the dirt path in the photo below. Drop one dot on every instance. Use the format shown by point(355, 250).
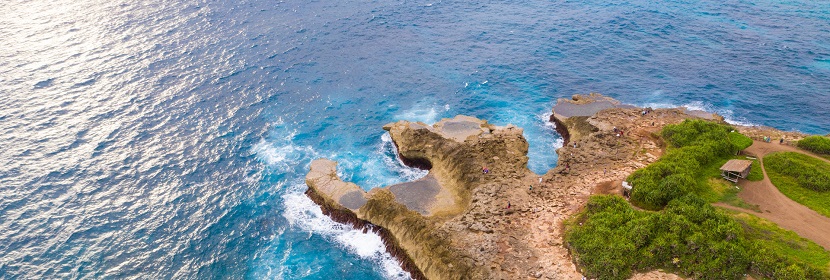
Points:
point(777, 207)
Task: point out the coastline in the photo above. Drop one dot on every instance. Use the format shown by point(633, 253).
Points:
point(391, 244)
point(484, 238)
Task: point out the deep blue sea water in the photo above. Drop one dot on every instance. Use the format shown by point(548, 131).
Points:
point(169, 139)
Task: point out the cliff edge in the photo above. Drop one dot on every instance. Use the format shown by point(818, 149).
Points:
point(480, 213)
point(456, 152)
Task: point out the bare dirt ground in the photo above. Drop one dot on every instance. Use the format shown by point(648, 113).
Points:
point(608, 187)
point(777, 207)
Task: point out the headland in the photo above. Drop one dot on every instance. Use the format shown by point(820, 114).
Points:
point(480, 213)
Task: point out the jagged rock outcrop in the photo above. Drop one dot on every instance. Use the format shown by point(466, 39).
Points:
point(571, 115)
point(758, 133)
point(456, 151)
point(461, 223)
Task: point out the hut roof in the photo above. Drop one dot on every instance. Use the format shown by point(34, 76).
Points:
point(736, 165)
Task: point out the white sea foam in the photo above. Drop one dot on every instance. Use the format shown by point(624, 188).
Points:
point(728, 115)
point(543, 139)
point(545, 118)
point(284, 155)
point(424, 111)
point(550, 127)
point(393, 162)
point(377, 168)
point(425, 115)
point(302, 213)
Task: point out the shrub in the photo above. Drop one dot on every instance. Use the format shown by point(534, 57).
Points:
point(740, 140)
point(816, 144)
point(802, 178)
point(689, 236)
point(695, 144)
point(807, 172)
point(690, 131)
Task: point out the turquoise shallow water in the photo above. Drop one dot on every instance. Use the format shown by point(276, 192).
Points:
point(159, 139)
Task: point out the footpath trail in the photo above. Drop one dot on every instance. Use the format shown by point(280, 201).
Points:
point(777, 207)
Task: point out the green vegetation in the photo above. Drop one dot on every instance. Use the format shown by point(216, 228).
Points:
point(756, 173)
point(741, 141)
point(611, 240)
point(783, 242)
point(809, 172)
point(695, 147)
point(713, 170)
point(729, 194)
point(802, 178)
point(816, 144)
point(720, 190)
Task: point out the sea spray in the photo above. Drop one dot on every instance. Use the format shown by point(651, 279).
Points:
point(282, 153)
point(543, 142)
point(423, 112)
point(303, 213)
point(393, 161)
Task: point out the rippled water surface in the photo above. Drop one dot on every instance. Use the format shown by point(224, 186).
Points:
point(169, 139)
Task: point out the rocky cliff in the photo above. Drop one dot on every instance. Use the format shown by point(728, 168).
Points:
point(460, 222)
point(456, 151)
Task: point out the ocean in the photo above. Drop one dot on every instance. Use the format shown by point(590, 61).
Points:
point(170, 139)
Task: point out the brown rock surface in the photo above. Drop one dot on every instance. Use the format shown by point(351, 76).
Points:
point(462, 228)
point(758, 133)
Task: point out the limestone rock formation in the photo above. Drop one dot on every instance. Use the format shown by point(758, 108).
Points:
point(460, 222)
point(456, 152)
point(570, 115)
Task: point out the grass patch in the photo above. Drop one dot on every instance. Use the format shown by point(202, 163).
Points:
point(741, 141)
point(720, 190)
point(727, 192)
point(729, 195)
point(783, 242)
point(816, 144)
point(802, 178)
point(612, 240)
point(756, 174)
